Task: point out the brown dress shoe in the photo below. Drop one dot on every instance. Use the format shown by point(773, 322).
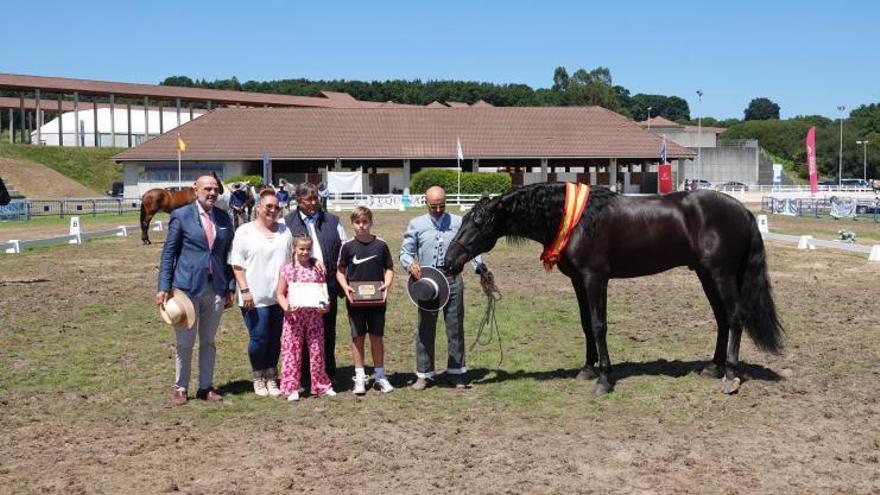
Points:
point(210, 395)
point(179, 398)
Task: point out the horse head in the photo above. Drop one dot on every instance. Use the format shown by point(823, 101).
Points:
point(480, 230)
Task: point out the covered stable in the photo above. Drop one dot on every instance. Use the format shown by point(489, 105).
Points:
point(532, 144)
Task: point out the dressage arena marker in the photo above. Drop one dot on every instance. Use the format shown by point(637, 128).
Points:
point(806, 242)
point(15, 249)
point(875, 253)
point(75, 231)
point(763, 228)
point(157, 225)
point(123, 231)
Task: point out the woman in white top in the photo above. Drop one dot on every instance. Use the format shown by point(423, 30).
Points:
point(259, 250)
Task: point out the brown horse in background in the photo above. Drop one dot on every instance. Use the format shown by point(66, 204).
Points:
point(158, 199)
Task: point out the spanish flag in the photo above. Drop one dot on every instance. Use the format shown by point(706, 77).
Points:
point(181, 144)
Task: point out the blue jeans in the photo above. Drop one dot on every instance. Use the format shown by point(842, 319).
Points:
point(264, 326)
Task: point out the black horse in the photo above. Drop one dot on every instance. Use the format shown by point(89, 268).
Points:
point(627, 236)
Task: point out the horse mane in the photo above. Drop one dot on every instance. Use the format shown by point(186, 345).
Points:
point(534, 211)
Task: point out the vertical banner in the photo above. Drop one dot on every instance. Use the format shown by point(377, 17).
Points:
point(811, 159)
point(664, 178)
point(777, 176)
point(266, 179)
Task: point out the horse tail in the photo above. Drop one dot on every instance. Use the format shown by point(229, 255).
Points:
point(758, 309)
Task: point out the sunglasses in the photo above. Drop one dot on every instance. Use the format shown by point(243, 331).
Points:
point(438, 206)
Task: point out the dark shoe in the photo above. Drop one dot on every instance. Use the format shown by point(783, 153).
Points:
point(210, 395)
point(422, 384)
point(180, 398)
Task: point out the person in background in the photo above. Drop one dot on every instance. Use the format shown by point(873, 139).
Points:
point(194, 261)
point(259, 250)
point(323, 194)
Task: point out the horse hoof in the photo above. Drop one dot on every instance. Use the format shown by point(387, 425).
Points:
point(586, 373)
point(731, 386)
point(147, 242)
point(601, 389)
point(712, 370)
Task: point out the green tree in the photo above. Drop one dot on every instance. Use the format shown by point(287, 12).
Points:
point(762, 109)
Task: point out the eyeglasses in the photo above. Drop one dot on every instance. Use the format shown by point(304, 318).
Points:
point(270, 207)
point(438, 206)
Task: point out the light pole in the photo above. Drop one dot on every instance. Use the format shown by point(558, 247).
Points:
point(840, 153)
point(864, 159)
point(700, 134)
point(649, 118)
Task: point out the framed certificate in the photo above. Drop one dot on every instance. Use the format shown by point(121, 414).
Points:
point(307, 295)
point(367, 294)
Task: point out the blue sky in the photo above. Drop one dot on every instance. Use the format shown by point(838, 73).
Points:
point(809, 57)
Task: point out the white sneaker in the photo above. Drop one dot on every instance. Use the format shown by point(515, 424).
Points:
point(260, 388)
point(360, 385)
point(383, 385)
point(329, 392)
point(272, 387)
point(293, 397)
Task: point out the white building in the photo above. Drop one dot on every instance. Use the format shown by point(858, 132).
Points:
point(111, 131)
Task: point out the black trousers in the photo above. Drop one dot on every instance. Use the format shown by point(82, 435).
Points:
point(329, 343)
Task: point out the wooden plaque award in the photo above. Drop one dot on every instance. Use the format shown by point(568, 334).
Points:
point(366, 294)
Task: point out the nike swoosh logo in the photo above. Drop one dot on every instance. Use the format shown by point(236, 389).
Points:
point(356, 261)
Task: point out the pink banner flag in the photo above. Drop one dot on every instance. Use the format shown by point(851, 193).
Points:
point(811, 160)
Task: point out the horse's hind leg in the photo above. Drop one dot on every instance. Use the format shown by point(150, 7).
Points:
point(730, 296)
point(145, 226)
point(715, 369)
point(588, 372)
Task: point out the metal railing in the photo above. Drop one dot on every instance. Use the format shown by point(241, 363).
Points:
point(25, 209)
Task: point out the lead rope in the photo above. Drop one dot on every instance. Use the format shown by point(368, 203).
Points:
point(493, 295)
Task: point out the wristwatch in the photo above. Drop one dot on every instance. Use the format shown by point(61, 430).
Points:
point(245, 290)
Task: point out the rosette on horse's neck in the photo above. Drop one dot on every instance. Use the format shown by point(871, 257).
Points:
point(576, 196)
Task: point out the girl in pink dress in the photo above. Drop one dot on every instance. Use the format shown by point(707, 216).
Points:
point(302, 325)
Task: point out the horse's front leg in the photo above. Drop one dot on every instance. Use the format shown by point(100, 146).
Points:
point(588, 372)
point(145, 228)
point(597, 295)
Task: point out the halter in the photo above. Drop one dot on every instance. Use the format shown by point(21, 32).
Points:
point(576, 196)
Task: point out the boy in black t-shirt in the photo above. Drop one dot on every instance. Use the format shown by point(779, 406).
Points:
point(366, 258)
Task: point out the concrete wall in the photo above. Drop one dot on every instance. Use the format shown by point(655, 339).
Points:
point(725, 163)
point(690, 139)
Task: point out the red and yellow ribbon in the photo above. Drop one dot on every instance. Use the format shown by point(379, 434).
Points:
point(576, 196)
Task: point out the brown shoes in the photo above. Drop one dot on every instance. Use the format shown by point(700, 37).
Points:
point(180, 398)
point(210, 395)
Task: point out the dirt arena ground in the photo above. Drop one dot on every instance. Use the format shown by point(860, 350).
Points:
point(86, 368)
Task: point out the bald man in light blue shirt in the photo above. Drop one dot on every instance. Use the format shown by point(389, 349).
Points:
point(427, 238)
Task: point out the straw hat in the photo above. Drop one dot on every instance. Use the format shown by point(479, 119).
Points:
point(178, 311)
point(431, 291)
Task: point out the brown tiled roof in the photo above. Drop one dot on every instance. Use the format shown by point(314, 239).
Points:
point(482, 103)
point(658, 122)
point(456, 104)
point(436, 104)
point(219, 97)
point(396, 133)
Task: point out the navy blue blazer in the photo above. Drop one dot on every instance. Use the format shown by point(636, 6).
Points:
point(185, 255)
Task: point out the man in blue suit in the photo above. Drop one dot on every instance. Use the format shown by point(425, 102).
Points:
point(194, 261)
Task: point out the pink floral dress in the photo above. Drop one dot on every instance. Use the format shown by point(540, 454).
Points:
point(306, 325)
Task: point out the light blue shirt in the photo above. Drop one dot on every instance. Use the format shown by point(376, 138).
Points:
point(428, 238)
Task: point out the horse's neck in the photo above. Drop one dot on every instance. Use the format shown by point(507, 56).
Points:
point(534, 217)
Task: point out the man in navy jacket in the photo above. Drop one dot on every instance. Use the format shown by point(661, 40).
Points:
point(194, 261)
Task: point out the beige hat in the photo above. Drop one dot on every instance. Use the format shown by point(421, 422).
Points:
point(178, 311)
